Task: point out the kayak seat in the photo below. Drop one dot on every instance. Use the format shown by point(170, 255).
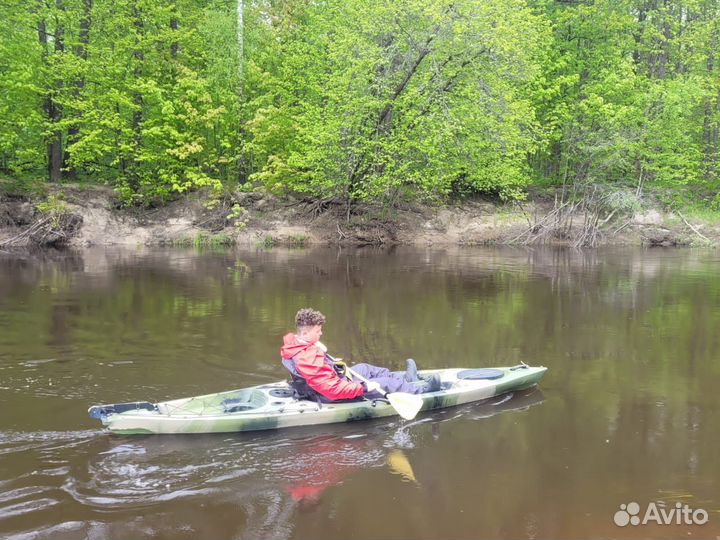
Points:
point(302, 389)
point(480, 374)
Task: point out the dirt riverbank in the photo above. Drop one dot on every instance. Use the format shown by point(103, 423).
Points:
point(79, 216)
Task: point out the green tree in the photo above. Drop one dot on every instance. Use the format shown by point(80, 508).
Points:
point(362, 100)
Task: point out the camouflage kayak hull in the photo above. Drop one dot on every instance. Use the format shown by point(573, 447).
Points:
point(272, 406)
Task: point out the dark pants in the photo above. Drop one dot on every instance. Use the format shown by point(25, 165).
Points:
point(389, 381)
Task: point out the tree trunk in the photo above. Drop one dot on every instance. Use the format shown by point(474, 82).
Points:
point(241, 45)
point(137, 117)
point(382, 122)
point(241, 163)
point(667, 37)
point(80, 52)
point(52, 109)
point(84, 38)
point(174, 44)
point(122, 162)
point(638, 34)
point(710, 120)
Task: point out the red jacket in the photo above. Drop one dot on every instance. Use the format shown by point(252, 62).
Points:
point(317, 370)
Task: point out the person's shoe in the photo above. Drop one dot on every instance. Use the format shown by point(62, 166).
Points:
point(433, 384)
point(411, 373)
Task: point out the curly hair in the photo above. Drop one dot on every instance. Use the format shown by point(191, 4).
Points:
point(309, 317)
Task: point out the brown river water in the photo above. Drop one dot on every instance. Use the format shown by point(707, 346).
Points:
point(627, 412)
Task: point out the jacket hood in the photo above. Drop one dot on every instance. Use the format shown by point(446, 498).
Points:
point(292, 346)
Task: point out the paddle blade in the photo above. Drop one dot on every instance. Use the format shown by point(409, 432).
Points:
point(400, 465)
point(406, 405)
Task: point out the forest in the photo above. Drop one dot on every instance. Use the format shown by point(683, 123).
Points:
point(366, 100)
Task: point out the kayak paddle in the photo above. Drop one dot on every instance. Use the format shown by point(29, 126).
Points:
point(399, 464)
point(406, 405)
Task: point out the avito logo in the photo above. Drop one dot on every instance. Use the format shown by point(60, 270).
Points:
point(658, 513)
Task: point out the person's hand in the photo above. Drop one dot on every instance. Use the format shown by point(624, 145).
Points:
point(372, 386)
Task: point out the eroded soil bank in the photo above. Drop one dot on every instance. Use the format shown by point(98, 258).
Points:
point(81, 216)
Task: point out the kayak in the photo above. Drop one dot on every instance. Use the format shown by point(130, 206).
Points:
point(275, 405)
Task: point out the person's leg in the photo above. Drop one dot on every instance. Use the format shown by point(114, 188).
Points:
point(393, 382)
point(397, 383)
point(411, 372)
point(369, 371)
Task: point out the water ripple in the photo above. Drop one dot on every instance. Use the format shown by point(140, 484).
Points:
point(20, 493)
point(69, 529)
point(12, 442)
point(268, 473)
point(27, 507)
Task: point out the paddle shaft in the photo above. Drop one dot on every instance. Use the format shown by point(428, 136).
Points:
point(355, 374)
point(363, 379)
point(406, 405)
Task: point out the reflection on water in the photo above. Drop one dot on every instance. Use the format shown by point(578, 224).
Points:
point(268, 478)
point(626, 413)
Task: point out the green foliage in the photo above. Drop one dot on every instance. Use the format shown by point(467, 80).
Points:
point(362, 100)
point(202, 240)
point(21, 115)
point(298, 240)
point(53, 206)
point(236, 214)
point(22, 186)
point(631, 94)
point(140, 94)
point(267, 242)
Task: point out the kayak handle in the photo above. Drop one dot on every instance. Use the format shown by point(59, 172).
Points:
point(522, 365)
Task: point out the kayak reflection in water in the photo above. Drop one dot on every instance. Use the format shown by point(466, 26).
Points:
point(327, 462)
point(316, 374)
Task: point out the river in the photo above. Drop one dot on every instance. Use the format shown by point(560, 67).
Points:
point(626, 412)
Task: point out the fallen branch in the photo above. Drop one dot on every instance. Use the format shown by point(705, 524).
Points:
point(26, 233)
point(621, 227)
point(533, 228)
point(694, 229)
point(522, 209)
point(608, 218)
point(54, 230)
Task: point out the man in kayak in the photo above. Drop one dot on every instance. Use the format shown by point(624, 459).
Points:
point(305, 357)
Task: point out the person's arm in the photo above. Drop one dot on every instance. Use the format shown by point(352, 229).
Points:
point(322, 378)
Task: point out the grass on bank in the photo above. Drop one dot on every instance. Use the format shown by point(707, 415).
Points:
point(293, 240)
point(267, 242)
point(204, 240)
